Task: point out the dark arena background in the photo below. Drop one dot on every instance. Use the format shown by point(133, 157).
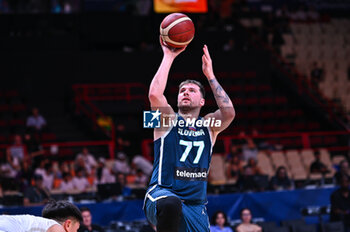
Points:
point(75, 76)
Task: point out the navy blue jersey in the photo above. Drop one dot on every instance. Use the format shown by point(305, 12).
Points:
point(181, 161)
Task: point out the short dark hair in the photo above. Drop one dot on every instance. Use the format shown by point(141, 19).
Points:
point(201, 87)
point(61, 211)
point(213, 218)
point(83, 209)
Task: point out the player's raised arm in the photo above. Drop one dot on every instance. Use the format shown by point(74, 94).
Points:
point(226, 111)
point(158, 84)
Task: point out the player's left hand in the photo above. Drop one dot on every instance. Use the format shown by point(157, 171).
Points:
point(207, 65)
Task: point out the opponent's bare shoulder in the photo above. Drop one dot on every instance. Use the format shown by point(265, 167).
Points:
point(56, 228)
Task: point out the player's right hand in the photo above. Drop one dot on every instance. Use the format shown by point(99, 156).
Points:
point(170, 52)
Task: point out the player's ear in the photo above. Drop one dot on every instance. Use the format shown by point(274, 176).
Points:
point(202, 102)
point(67, 224)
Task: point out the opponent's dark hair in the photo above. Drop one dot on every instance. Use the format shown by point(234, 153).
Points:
point(201, 87)
point(61, 211)
point(213, 218)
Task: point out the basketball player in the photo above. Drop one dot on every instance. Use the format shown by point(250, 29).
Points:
point(60, 216)
point(176, 198)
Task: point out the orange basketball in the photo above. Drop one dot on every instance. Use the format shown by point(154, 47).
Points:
point(177, 30)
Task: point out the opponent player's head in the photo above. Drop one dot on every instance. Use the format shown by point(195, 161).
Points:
point(65, 213)
point(191, 95)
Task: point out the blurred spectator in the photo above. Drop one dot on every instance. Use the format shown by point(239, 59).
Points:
point(10, 168)
point(8, 173)
point(141, 178)
point(251, 178)
point(219, 222)
point(139, 162)
point(36, 122)
point(121, 179)
point(88, 159)
point(106, 175)
point(249, 150)
point(63, 167)
point(36, 194)
point(340, 203)
point(48, 176)
point(317, 166)
point(34, 149)
point(343, 170)
point(66, 184)
point(349, 72)
point(41, 169)
point(255, 170)
point(234, 151)
point(16, 151)
point(234, 169)
point(80, 164)
point(121, 164)
point(316, 74)
point(25, 175)
point(246, 181)
point(87, 225)
point(281, 180)
point(247, 225)
point(80, 181)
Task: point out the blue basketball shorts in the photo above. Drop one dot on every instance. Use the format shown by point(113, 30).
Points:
point(194, 216)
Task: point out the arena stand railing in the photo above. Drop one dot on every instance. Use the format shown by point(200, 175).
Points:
point(87, 94)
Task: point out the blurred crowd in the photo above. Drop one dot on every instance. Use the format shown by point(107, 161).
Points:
point(38, 176)
point(244, 171)
point(38, 173)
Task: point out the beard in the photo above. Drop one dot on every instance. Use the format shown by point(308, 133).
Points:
point(187, 109)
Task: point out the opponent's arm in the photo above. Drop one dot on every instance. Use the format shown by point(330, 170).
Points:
point(158, 84)
point(226, 111)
